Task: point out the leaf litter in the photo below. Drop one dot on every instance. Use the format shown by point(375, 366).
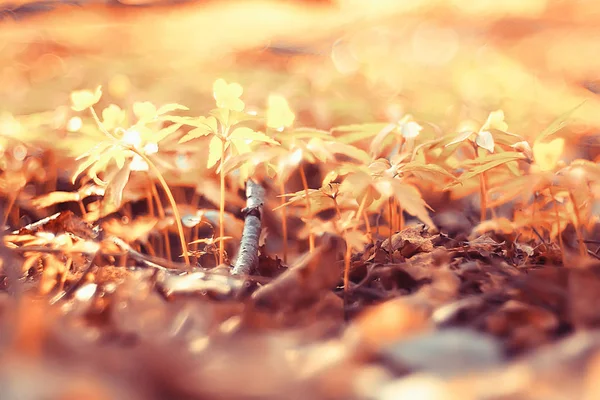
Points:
point(425, 308)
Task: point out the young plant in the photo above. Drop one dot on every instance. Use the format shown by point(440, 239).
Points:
point(227, 137)
point(297, 145)
point(557, 194)
point(126, 150)
point(483, 144)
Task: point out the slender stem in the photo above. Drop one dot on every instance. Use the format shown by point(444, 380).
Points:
point(361, 208)
point(559, 232)
point(176, 214)
point(391, 230)
point(367, 225)
point(163, 184)
point(222, 205)
point(483, 196)
point(160, 211)
point(11, 202)
point(284, 221)
point(101, 125)
point(400, 212)
point(150, 202)
point(82, 208)
point(194, 236)
point(150, 249)
point(487, 186)
point(311, 236)
point(582, 249)
point(161, 214)
point(347, 256)
point(391, 214)
point(337, 207)
point(348, 253)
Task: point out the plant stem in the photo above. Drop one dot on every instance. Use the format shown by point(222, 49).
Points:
point(347, 255)
point(582, 249)
point(559, 232)
point(160, 211)
point(338, 212)
point(150, 203)
point(400, 212)
point(101, 125)
point(311, 236)
point(165, 187)
point(368, 225)
point(11, 202)
point(283, 221)
point(222, 205)
point(161, 214)
point(361, 208)
point(82, 208)
point(391, 230)
point(483, 196)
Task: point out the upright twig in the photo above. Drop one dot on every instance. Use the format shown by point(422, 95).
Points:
point(247, 259)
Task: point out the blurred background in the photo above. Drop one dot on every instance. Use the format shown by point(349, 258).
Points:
point(338, 62)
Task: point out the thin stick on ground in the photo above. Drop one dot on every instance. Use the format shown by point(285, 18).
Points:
point(247, 259)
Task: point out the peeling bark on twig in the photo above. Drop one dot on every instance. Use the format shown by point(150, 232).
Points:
point(247, 259)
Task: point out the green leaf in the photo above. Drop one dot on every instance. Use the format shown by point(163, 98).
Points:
point(506, 138)
point(377, 144)
point(350, 151)
point(145, 111)
point(495, 121)
point(215, 150)
point(84, 99)
point(504, 156)
point(113, 117)
point(306, 133)
point(205, 126)
point(84, 165)
point(113, 195)
point(409, 197)
point(167, 108)
point(119, 157)
point(241, 146)
point(165, 132)
point(558, 123)
point(244, 133)
point(432, 172)
point(92, 156)
point(461, 137)
point(356, 132)
point(356, 183)
point(179, 120)
point(318, 198)
point(487, 166)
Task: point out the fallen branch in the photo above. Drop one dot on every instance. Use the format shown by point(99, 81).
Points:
point(247, 259)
